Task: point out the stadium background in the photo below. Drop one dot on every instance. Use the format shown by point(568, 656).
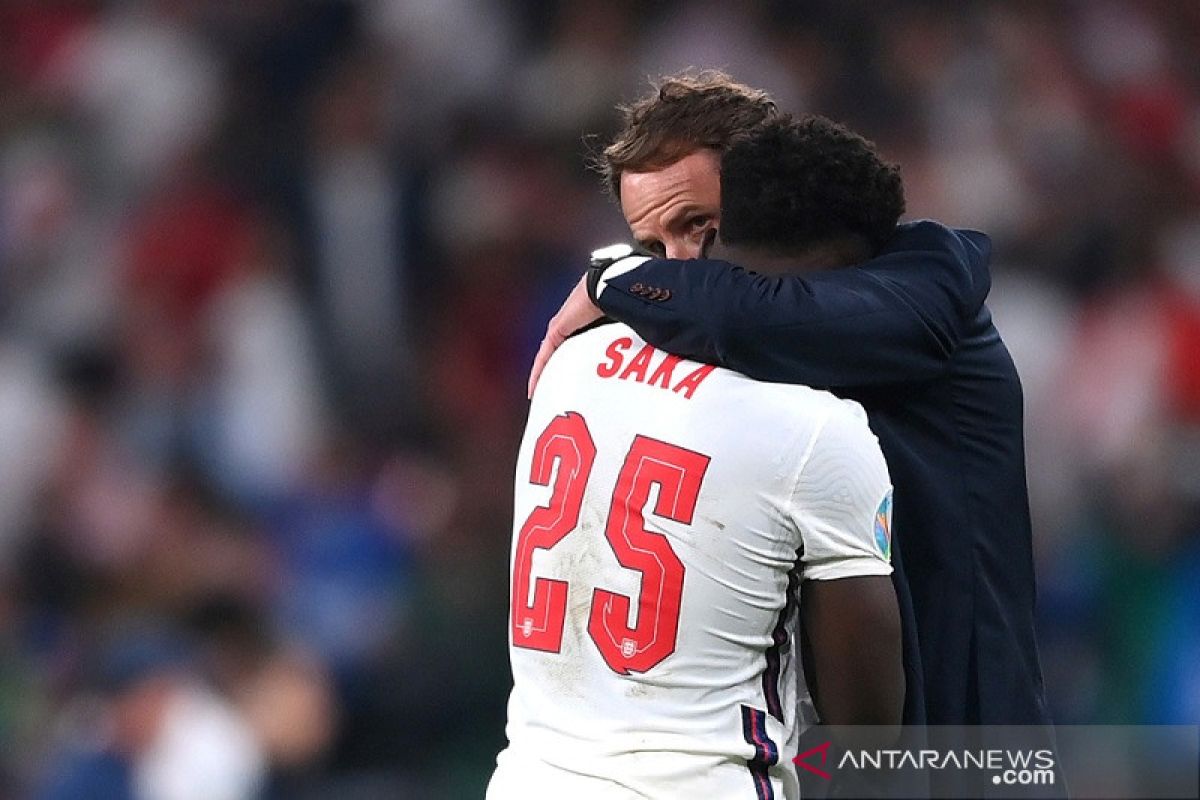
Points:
point(272, 273)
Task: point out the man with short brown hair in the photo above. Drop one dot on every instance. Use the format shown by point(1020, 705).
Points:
point(906, 334)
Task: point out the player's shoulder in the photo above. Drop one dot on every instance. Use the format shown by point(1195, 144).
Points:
point(584, 349)
point(579, 347)
point(845, 422)
point(793, 400)
point(838, 410)
point(597, 336)
point(618, 346)
point(819, 419)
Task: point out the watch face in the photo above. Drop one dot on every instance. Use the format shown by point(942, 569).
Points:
point(612, 253)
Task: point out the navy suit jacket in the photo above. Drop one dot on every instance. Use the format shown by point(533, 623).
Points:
point(908, 336)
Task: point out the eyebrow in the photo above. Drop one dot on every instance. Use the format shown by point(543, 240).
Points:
point(686, 210)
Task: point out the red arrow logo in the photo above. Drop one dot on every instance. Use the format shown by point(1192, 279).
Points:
point(800, 760)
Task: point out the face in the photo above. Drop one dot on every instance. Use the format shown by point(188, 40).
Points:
point(670, 210)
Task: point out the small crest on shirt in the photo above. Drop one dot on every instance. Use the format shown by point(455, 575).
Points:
point(883, 526)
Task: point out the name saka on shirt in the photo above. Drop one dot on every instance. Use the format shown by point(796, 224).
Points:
point(638, 368)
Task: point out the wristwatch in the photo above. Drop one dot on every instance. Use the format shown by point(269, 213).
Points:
point(610, 256)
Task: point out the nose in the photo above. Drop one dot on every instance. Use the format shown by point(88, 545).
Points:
point(683, 247)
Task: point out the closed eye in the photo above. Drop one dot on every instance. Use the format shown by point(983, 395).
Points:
point(655, 247)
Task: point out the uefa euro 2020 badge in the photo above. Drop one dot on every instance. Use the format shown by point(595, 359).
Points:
point(883, 526)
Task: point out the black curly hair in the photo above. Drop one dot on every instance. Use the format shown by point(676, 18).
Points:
point(794, 182)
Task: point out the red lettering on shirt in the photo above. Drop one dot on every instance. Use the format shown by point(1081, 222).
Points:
point(637, 368)
point(692, 382)
point(615, 357)
point(662, 375)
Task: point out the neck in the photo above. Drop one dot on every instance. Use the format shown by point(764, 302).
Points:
point(832, 254)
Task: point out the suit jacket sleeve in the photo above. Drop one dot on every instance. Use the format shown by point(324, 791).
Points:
point(894, 319)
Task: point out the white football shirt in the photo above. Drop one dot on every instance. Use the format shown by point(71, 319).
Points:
point(665, 512)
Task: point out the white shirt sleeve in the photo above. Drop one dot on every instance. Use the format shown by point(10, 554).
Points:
point(842, 503)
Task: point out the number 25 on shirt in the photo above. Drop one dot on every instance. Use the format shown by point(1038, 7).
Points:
point(537, 620)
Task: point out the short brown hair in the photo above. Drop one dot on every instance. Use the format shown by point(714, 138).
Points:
point(683, 113)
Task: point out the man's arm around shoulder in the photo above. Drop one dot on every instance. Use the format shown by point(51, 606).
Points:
point(896, 318)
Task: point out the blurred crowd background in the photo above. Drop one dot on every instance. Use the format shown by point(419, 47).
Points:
point(272, 274)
